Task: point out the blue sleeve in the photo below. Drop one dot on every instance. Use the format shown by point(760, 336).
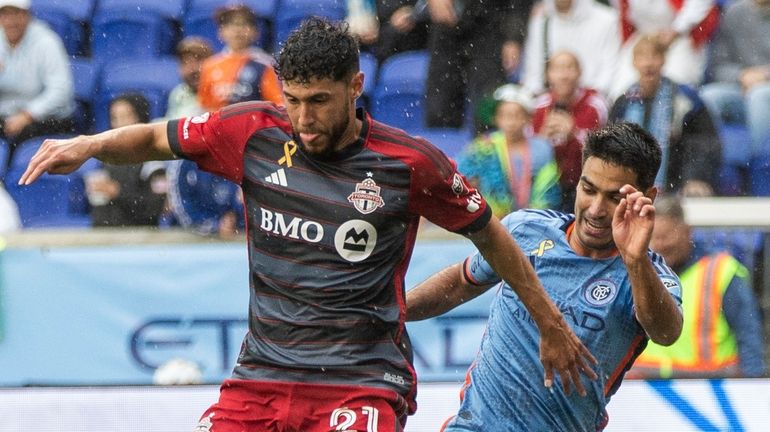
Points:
point(742, 314)
point(476, 269)
point(668, 277)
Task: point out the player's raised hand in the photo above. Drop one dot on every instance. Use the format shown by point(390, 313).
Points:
point(562, 352)
point(632, 223)
point(58, 156)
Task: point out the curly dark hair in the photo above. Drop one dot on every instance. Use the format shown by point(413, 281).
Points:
point(318, 49)
point(627, 145)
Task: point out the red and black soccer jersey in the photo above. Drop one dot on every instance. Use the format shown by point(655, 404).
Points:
point(329, 241)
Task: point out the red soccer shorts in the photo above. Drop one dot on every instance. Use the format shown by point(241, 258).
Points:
point(269, 406)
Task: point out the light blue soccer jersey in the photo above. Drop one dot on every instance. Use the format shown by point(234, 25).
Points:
point(505, 391)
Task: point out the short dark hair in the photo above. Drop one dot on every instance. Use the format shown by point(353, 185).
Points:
point(193, 46)
point(318, 49)
point(627, 145)
point(138, 102)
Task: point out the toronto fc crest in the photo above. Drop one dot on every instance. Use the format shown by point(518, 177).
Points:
point(366, 198)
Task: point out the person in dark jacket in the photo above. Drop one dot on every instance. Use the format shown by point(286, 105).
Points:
point(127, 195)
point(677, 117)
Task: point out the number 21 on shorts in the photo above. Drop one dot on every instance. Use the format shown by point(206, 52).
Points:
point(344, 418)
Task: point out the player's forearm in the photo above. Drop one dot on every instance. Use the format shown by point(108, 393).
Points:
point(440, 293)
point(131, 144)
point(509, 262)
point(656, 310)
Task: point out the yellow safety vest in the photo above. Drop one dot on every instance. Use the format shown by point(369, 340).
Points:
point(707, 345)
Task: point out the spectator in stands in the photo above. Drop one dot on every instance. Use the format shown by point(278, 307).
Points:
point(204, 203)
point(198, 200)
point(741, 67)
point(722, 333)
point(512, 170)
point(467, 41)
point(191, 52)
point(9, 212)
point(241, 72)
point(36, 90)
point(130, 195)
point(403, 26)
point(677, 118)
point(585, 28)
point(684, 27)
point(564, 115)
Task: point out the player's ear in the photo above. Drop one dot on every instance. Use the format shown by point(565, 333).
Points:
point(357, 85)
point(652, 193)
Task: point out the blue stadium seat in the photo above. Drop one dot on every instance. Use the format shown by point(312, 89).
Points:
point(198, 20)
point(736, 144)
point(4, 151)
point(135, 28)
point(68, 18)
point(85, 75)
point(368, 65)
point(450, 141)
point(399, 96)
point(154, 78)
point(290, 13)
point(736, 156)
point(52, 200)
point(745, 245)
point(759, 172)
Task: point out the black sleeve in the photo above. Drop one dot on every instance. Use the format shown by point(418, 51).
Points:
point(617, 110)
point(703, 148)
point(516, 21)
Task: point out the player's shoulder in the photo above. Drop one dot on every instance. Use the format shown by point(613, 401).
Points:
point(537, 219)
point(413, 150)
point(255, 111)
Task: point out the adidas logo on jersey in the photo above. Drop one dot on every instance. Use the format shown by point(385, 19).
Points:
point(278, 178)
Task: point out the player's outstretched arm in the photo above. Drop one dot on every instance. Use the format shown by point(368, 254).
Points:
point(632, 226)
point(130, 144)
point(560, 349)
point(440, 293)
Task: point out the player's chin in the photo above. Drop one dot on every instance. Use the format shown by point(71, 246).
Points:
point(318, 147)
point(598, 241)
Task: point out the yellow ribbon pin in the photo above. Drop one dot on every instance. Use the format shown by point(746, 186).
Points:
point(289, 148)
point(544, 246)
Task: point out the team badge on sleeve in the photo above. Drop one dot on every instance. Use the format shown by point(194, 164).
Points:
point(458, 185)
point(200, 119)
point(672, 285)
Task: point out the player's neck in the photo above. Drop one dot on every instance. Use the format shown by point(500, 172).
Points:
point(351, 135)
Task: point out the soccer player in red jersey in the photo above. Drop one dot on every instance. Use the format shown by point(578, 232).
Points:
point(333, 200)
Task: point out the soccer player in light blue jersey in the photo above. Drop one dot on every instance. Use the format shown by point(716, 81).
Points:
point(597, 267)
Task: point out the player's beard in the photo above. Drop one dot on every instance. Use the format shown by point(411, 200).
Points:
point(334, 137)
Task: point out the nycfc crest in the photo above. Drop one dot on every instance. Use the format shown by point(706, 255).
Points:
point(600, 292)
point(366, 198)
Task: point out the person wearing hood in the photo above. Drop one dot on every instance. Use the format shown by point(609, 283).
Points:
point(36, 89)
point(584, 27)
